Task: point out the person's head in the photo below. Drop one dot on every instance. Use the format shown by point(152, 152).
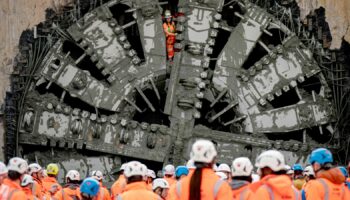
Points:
point(203, 154)
point(343, 171)
point(181, 171)
point(289, 172)
point(17, 167)
point(52, 170)
point(169, 171)
point(309, 173)
point(73, 177)
point(161, 187)
point(242, 169)
point(27, 181)
point(225, 169)
point(298, 171)
point(98, 175)
point(3, 172)
point(321, 159)
point(167, 16)
point(151, 175)
point(36, 171)
point(135, 172)
point(270, 162)
point(89, 189)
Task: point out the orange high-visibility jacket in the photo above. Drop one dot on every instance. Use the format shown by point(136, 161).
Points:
point(328, 185)
point(29, 194)
point(171, 180)
point(211, 187)
point(49, 182)
point(68, 193)
point(37, 189)
point(137, 191)
point(10, 190)
point(103, 194)
point(241, 193)
point(276, 187)
point(118, 186)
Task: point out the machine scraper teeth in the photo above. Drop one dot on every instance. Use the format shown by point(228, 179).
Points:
point(239, 77)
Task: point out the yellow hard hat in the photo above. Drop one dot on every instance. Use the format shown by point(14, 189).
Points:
point(52, 169)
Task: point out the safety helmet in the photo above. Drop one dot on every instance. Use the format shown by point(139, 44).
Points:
point(122, 168)
point(3, 168)
point(221, 175)
point(190, 164)
point(255, 178)
point(151, 173)
point(272, 159)
point(242, 167)
point(308, 171)
point(181, 170)
point(34, 168)
point(321, 156)
point(297, 167)
point(90, 187)
point(167, 14)
point(135, 168)
point(343, 171)
point(96, 174)
point(18, 165)
point(169, 170)
point(224, 168)
point(73, 175)
point(203, 151)
point(27, 179)
point(160, 182)
point(52, 169)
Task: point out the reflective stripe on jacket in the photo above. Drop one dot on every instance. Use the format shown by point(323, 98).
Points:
point(211, 187)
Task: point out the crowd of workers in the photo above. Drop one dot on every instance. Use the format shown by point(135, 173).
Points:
point(200, 179)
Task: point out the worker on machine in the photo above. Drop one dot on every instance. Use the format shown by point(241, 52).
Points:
point(169, 30)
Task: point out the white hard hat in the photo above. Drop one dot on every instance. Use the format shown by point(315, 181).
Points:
point(27, 179)
point(190, 164)
point(167, 14)
point(73, 175)
point(3, 168)
point(160, 182)
point(272, 159)
point(309, 171)
point(169, 170)
point(135, 168)
point(34, 168)
point(18, 165)
point(151, 173)
point(288, 169)
point(203, 151)
point(221, 175)
point(224, 168)
point(242, 167)
point(96, 174)
point(255, 178)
